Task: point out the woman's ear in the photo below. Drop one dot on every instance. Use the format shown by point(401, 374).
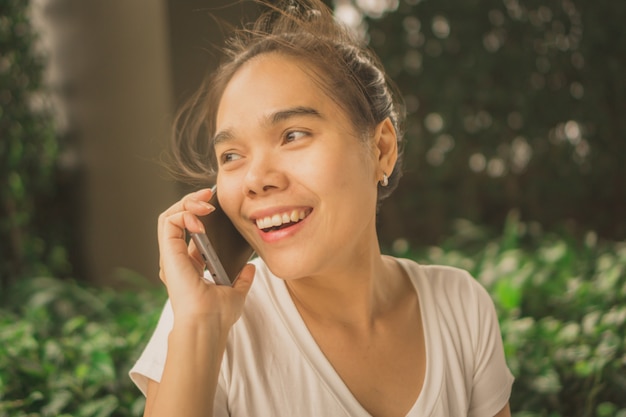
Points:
point(386, 147)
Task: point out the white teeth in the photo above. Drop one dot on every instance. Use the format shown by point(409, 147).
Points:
point(277, 220)
point(280, 219)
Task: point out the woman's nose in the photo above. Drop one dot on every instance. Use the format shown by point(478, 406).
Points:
point(263, 176)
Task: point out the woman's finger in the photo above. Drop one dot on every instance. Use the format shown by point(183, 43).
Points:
point(174, 226)
point(244, 279)
point(197, 200)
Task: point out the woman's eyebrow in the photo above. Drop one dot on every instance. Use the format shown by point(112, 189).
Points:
point(223, 136)
point(272, 119)
point(282, 115)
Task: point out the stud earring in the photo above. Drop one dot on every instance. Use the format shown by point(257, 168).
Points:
point(385, 181)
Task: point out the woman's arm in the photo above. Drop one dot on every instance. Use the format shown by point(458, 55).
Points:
point(191, 371)
point(194, 355)
point(203, 316)
point(505, 412)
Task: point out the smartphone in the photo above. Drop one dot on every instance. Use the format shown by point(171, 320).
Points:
point(223, 248)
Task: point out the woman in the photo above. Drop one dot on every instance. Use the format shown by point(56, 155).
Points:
point(304, 134)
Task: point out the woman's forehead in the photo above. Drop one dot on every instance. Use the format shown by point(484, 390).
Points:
point(272, 84)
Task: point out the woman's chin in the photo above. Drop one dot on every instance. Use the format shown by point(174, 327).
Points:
point(286, 269)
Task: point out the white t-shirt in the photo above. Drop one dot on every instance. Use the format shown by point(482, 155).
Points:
point(273, 367)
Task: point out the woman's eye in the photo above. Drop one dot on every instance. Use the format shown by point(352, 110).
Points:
point(229, 157)
point(294, 135)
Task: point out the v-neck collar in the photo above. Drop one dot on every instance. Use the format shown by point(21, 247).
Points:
point(425, 403)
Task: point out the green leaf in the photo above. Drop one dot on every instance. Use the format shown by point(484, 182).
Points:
point(508, 294)
point(103, 407)
point(60, 400)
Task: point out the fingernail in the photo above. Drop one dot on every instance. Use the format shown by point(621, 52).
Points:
point(206, 205)
point(200, 225)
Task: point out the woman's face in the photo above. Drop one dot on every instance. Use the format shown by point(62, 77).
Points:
point(293, 176)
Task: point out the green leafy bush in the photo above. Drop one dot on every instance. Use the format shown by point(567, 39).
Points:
point(66, 349)
point(562, 309)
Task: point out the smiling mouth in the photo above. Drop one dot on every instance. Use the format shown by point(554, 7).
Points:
point(282, 220)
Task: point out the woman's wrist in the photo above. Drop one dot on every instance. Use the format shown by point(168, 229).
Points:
point(204, 325)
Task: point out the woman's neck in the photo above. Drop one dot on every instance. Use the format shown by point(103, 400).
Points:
point(356, 295)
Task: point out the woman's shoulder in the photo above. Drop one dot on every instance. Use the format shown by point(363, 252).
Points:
point(446, 285)
point(437, 275)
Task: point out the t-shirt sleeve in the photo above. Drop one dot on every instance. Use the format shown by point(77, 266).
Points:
point(152, 361)
point(492, 379)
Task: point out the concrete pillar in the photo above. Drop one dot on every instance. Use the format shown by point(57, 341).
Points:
point(113, 57)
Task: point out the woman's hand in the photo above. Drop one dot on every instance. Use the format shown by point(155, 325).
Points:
point(181, 267)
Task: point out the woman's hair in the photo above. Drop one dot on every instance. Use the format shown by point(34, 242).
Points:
point(306, 30)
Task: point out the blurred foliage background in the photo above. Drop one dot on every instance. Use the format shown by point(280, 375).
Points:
point(514, 170)
point(33, 224)
point(511, 104)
